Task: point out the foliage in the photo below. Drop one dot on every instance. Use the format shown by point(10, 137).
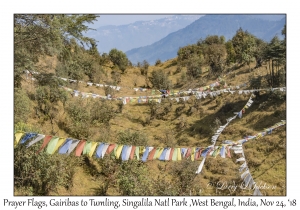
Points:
point(41, 173)
point(133, 179)
point(160, 110)
point(185, 53)
point(157, 62)
point(85, 113)
point(38, 35)
point(144, 67)
point(214, 53)
point(160, 80)
point(231, 55)
point(128, 137)
point(244, 45)
point(102, 112)
point(194, 66)
point(22, 106)
point(275, 54)
point(259, 52)
point(79, 119)
point(116, 77)
point(184, 175)
point(119, 59)
point(48, 95)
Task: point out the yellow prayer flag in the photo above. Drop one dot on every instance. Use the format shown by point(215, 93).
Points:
point(119, 150)
point(137, 152)
point(93, 147)
point(18, 136)
point(160, 152)
point(193, 153)
point(59, 143)
point(178, 154)
point(142, 150)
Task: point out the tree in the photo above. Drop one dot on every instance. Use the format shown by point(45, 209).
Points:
point(160, 80)
point(214, 53)
point(194, 66)
point(22, 106)
point(40, 174)
point(119, 59)
point(144, 67)
point(38, 35)
point(259, 52)
point(244, 45)
point(133, 179)
point(185, 53)
point(231, 55)
point(275, 54)
point(48, 95)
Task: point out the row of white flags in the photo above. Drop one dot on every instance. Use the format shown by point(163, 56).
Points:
point(158, 98)
point(237, 147)
point(215, 84)
point(248, 181)
point(221, 128)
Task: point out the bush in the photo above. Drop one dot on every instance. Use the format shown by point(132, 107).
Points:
point(157, 62)
point(109, 91)
point(160, 110)
point(116, 77)
point(132, 138)
point(22, 106)
point(194, 64)
point(133, 179)
point(79, 119)
point(160, 80)
point(102, 112)
point(119, 59)
point(39, 174)
point(144, 67)
point(184, 175)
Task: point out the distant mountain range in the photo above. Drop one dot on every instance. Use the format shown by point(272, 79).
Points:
point(262, 26)
point(140, 33)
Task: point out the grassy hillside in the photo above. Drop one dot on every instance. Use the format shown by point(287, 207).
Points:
point(177, 124)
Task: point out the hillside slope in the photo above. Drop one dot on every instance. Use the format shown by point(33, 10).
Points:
point(186, 124)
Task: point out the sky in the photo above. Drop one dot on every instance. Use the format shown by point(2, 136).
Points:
point(122, 19)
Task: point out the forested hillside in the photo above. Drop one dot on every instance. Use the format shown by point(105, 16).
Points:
point(221, 25)
point(95, 124)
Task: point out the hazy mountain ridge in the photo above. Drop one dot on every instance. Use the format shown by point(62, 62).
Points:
point(140, 33)
point(225, 25)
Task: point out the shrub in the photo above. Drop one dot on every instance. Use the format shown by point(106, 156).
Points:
point(39, 174)
point(133, 179)
point(194, 64)
point(102, 112)
point(119, 59)
point(128, 137)
point(79, 119)
point(144, 67)
point(22, 106)
point(160, 80)
point(157, 62)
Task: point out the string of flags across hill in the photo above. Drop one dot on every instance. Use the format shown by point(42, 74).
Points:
point(29, 74)
point(158, 98)
point(237, 147)
point(53, 144)
point(221, 128)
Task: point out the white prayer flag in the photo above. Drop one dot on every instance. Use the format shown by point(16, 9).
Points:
point(200, 166)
